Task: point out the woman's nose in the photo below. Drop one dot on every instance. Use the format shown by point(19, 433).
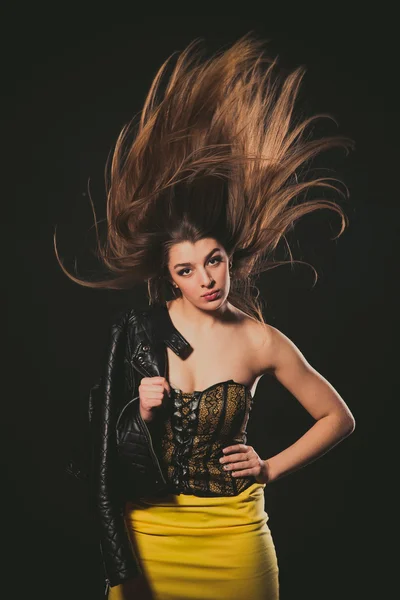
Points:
point(207, 279)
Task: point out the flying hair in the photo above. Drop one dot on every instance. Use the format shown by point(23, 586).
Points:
point(218, 151)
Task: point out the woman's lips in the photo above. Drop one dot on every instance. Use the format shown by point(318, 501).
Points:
point(212, 296)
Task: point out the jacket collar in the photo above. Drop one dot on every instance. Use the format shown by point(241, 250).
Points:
point(150, 331)
point(167, 332)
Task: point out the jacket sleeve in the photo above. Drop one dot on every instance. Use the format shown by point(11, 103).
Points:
point(117, 551)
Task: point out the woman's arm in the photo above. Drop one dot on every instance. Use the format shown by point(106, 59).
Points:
point(334, 421)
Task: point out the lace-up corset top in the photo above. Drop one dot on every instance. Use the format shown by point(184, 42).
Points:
point(197, 427)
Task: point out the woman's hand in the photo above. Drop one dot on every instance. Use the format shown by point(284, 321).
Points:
point(243, 460)
point(151, 395)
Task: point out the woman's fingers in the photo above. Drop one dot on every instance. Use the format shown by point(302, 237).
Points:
point(151, 394)
point(239, 457)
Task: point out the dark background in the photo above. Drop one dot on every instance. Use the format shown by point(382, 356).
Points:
point(71, 83)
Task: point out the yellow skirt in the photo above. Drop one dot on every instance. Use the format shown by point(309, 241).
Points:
point(204, 548)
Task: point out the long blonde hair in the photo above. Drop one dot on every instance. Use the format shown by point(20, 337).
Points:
point(217, 152)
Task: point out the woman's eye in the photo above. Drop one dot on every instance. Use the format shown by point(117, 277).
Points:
point(216, 258)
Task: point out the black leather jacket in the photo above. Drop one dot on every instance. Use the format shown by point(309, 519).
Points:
point(123, 462)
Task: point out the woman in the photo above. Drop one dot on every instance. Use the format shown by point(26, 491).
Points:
point(198, 202)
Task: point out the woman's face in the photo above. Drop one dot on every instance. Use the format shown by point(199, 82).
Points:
point(198, 269)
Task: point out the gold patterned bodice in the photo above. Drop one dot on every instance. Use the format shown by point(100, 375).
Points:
point(197, 427)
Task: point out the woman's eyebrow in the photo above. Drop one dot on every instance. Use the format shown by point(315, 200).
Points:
point(187, 264)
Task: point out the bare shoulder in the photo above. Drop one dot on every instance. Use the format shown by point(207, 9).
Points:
point(271, 348)
point(258, 338)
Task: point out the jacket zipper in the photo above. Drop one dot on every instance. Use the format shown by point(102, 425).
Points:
point(106, 579)
point(147, 432)
point(152, 447)
point(123, 410)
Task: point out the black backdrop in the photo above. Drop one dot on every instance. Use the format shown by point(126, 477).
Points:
point(71, 84)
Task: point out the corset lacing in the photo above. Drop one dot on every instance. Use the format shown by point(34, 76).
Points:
point(184, 425)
